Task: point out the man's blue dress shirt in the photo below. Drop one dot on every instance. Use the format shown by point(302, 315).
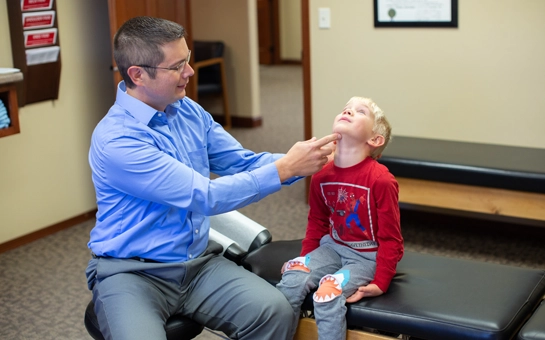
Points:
point(151, 173)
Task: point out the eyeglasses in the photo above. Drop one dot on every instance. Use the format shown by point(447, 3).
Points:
point(179, 68)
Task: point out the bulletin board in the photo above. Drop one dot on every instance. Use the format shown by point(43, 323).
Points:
point(35, 49)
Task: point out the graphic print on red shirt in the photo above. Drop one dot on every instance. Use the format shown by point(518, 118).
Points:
point(350, 217)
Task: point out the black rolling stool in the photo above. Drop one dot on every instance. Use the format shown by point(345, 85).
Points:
point(178, 327)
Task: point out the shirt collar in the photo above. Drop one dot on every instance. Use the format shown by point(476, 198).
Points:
point(137, 108)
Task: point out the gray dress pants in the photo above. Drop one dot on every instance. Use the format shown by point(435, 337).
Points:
point(133, 299)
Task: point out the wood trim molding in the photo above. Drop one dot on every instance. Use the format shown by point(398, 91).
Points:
point(305, 30)
point(276, 31)
point(291, 62)
point(28, 238)
point(243, 122)
point(307, 105)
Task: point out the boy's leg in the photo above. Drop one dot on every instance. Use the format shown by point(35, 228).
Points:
point(302, 276)
point(329, 300)
point(226, 297)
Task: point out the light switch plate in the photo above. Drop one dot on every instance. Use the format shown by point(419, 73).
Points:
point(324, 17)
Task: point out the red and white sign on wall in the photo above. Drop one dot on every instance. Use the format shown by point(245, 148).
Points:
point(40, 37)
point(36, 5)
point(33, 20)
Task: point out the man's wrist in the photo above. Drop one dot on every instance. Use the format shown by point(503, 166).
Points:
point(282, 168)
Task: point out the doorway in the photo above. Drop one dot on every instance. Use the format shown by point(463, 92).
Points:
point(268, 32)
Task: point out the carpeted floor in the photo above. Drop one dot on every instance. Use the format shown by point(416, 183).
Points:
point(43, 290)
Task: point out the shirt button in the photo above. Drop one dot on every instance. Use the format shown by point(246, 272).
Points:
point(190, 256)
point(196, 231)
point(159, 115)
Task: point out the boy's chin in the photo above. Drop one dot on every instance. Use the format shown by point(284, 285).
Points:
point(338, 129)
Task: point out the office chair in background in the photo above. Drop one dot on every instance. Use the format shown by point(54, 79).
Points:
point(210, 74)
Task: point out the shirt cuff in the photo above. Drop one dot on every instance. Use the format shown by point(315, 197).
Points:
point(292, 180)
point(267, 179)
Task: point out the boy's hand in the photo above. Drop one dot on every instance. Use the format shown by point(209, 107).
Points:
point(365, 291)
point(283, 268)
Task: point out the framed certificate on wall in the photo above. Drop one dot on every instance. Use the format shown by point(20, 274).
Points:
point(416, 13)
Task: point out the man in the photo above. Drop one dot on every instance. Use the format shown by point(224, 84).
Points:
point(151, 158)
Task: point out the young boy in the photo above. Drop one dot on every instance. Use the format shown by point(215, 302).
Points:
point(353, 240)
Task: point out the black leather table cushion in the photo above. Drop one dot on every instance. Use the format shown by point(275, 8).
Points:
point(534, 329)
point(496, 166)
point(436, 297)
point(433, 297)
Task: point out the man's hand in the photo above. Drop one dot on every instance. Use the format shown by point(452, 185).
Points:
point(365, 291)
point(306, 158)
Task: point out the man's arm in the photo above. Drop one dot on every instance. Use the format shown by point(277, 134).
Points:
point(305, 158)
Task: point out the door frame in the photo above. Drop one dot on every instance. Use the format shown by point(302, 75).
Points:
point(307, 95)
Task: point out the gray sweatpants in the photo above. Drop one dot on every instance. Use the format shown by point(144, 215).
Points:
point(133, 299)
point(338, 271)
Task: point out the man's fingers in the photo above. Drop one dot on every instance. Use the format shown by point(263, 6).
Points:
point(327, 139)
point(326, 150)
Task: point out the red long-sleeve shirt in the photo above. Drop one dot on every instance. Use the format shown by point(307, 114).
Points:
point(358, 207)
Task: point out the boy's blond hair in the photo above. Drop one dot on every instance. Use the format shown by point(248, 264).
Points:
point(381, 127)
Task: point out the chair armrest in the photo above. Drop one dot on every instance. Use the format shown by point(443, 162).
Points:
point(208, 62)
point(231, 250)
point(238, 234)
point(247, 233)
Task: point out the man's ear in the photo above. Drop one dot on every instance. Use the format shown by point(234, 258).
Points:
point(136, 74)
point(377, 141)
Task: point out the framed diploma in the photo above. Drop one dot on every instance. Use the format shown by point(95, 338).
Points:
point(416, 13)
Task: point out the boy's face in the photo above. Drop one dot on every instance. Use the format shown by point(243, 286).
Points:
point(355, 121)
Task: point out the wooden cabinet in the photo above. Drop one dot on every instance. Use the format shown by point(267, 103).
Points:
point(8, 95)
point(41, 79)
